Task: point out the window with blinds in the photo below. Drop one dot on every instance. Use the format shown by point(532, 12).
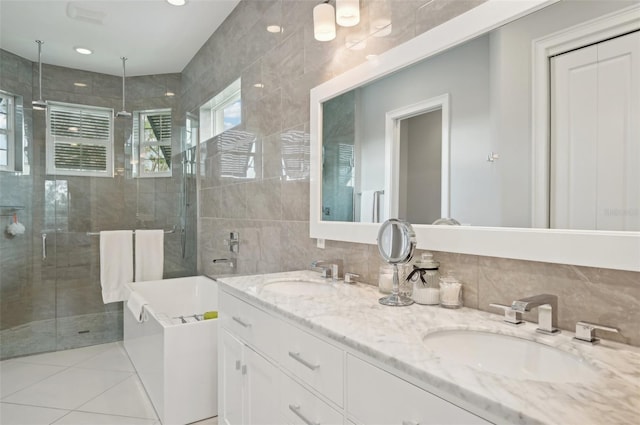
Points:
point(152, 143)
point(7, 112)
point(79, 140)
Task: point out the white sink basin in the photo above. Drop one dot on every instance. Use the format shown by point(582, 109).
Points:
point(299, 287)
point(509, 356)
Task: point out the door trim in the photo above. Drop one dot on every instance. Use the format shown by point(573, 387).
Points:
point(392, 151)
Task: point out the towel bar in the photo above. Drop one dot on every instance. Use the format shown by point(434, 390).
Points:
point(173, 230)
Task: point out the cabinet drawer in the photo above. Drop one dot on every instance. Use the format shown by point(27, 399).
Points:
point(376, 396)
point(300, 407)
point(312, 360)
point(249, 323)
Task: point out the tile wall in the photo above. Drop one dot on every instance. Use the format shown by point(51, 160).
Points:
point(269, 207)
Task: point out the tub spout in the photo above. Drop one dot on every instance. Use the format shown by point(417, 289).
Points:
point(231, 262)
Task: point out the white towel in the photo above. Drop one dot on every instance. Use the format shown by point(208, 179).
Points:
point(149, 255)
point(367, 200)
point(116, 264)
point(136, 304)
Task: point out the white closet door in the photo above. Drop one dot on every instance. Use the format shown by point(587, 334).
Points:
point(595, 137)
point(619, 134)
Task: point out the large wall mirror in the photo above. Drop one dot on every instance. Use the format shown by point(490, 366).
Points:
point(493, 119)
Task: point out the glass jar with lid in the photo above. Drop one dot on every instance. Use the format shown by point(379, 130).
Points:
point(425, 279)
point(450, 291)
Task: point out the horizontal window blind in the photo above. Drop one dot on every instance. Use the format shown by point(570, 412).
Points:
point(79, 140)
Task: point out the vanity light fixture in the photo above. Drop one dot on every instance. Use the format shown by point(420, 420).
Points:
point(78, 84)
point(274, 29)
point(83, 50)
point(177, 2)
point(258, 85)
point(39, 105)
point(169, 94)
point(347, 12)
point(324, 22)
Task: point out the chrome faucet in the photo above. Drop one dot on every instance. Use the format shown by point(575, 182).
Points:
point(547, 305)
point(586, 332)
point(331, 268)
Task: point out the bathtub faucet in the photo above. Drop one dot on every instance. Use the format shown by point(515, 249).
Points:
point(231, 262)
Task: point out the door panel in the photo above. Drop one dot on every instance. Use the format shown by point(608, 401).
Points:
point(593, 133)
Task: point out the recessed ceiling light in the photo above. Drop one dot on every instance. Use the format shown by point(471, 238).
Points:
point(80, 84)
point(169, 94)
point(83, 50)
point(258, 85)
point(177, 2)
point(274, 29)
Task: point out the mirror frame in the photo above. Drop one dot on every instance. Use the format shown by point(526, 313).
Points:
point(606, 249)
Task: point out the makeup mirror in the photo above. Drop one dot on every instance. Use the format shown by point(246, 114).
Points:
point(396, 244)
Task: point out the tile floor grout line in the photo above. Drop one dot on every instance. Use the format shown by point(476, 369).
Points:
point(64, 368)
point(114, 414)
point(98, 395)
point(35, 405)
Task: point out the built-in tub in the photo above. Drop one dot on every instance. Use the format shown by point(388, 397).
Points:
point(176, 361)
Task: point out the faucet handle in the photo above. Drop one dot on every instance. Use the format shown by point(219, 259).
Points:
point(350, 277)
point(586, 332)
point(511, 316)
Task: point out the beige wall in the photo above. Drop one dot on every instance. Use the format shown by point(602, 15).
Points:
point(270, 211)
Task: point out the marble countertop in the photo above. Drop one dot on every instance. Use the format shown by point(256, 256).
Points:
point(351, 315)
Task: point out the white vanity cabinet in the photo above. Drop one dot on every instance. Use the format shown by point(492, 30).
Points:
point(312, 360)
point(248, 382)
point(273, 371)
point(248, 385)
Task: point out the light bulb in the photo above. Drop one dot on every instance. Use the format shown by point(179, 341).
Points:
point(324, 24)
point(347, 12)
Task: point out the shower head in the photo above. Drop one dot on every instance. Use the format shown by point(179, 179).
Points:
point(39, 105)
point(123, 113)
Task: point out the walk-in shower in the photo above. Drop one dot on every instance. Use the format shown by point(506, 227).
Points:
point(50, 291)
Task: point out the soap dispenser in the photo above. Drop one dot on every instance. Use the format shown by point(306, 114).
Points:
point(426, 279)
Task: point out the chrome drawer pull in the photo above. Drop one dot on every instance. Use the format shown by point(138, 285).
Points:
point(241, 322)
point(296, 410)
point(296, 356)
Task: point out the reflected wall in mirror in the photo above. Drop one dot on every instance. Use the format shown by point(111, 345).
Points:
point(489, 172)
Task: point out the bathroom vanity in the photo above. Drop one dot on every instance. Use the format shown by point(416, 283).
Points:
point(296, 348)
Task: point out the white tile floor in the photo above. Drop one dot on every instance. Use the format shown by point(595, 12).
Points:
point(94, 385)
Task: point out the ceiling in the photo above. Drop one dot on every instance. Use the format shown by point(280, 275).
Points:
point(156, 37)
